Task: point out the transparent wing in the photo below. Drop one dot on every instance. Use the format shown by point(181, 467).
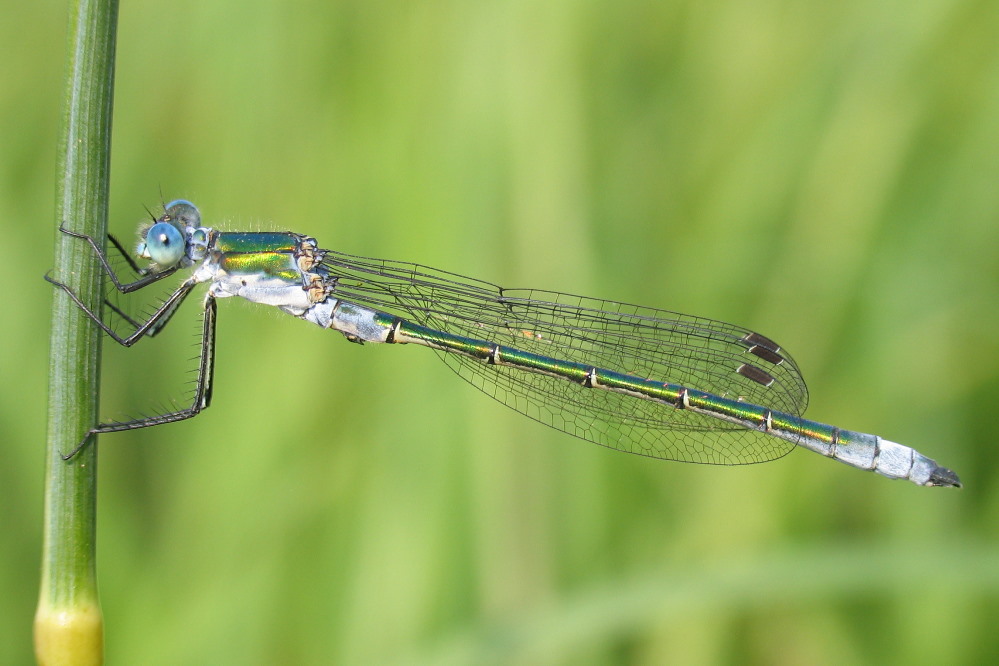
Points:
point(698, 353)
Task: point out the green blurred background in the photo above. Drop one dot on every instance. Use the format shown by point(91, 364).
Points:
point(825, 173)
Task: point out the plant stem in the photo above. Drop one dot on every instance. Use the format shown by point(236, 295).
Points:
point(69, 627)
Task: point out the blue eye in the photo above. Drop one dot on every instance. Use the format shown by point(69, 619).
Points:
point(184, 211)
point(164, 244)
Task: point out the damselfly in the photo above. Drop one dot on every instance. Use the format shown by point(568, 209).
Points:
point(644, 381)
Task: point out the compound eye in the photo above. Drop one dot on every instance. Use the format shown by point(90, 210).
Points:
point(183, 211)
point(164, 245)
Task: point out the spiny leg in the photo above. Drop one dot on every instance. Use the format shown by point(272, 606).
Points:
point(156, 327)
point(156, 321)
point(126, 287)
point(202, 392)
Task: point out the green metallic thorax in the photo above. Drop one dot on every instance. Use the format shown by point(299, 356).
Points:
point(270, 253)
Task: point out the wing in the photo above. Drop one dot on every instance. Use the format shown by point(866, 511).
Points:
point(695, 352)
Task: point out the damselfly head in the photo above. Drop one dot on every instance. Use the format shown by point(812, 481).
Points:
point(164, 241)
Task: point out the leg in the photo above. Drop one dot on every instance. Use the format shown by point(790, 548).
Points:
point(144, 281)
point(158, 326)
point(151, 326)
point(202, 391)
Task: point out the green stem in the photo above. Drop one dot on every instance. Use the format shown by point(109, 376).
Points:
point(68, 623)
